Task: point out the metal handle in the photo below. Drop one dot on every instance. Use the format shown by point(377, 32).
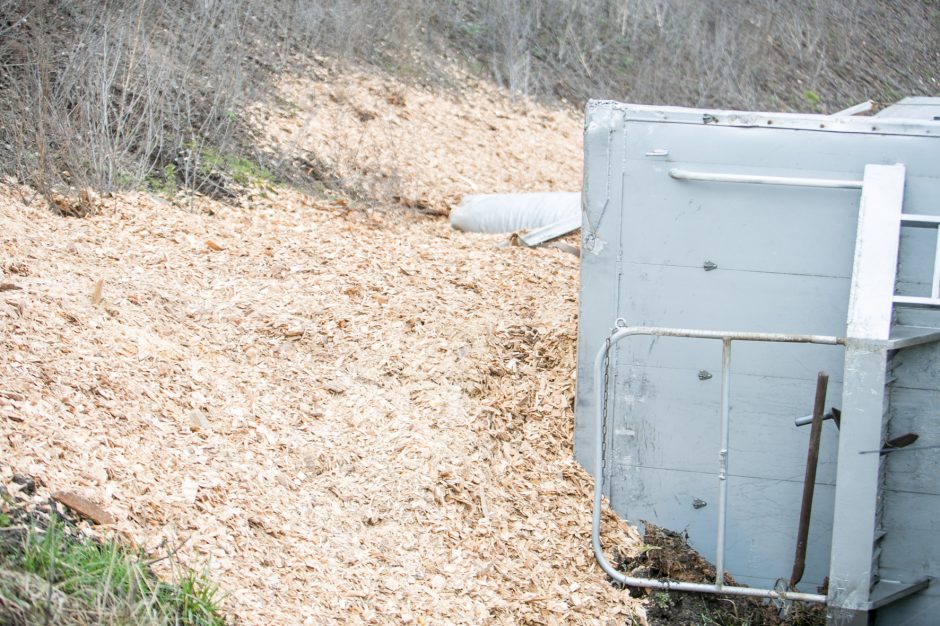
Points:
point(715, 177)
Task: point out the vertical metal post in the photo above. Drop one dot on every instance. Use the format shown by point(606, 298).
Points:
point(723, 460)
point(809, 479)
point(935, 281)
point(853, 566)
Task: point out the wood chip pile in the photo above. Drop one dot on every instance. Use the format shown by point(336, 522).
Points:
point(352, 417)
point(422, 146)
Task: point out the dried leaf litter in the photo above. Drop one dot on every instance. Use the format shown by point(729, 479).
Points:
point(350, 417)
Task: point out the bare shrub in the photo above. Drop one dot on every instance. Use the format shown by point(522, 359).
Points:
point(111, 93)
point(718, 53)
point(105, 91)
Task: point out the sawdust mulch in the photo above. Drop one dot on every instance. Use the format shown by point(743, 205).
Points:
point(352, 417)
point(423, 146)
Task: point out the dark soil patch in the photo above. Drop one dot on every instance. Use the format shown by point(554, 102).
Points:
point(667, 555)
point(18, 515)
point(52, 572)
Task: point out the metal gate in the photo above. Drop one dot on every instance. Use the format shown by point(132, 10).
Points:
point(668, 245)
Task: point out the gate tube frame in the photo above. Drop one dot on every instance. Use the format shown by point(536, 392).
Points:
point(621, 332)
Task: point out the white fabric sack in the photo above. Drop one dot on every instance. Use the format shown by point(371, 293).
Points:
point(512, 212)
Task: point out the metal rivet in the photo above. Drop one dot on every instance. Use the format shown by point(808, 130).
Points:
point(704, 375)
point(709, 266)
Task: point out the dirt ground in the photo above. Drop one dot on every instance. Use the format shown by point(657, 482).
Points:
point(349, 415)
point(666, 554)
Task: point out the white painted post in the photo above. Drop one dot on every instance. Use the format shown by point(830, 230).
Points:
point(853, 565)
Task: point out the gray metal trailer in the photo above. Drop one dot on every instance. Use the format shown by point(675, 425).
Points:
point(729, 257)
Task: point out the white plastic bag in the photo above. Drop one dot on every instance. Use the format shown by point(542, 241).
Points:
point(512, 212)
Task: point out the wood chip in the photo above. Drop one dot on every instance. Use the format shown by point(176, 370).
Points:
point(336, 386)
point(433, 149)
point(97, 292)
point(84, 507)
point(198, 420)
point(418, 429)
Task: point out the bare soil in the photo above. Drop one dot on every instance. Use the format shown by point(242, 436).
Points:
point(667, 555)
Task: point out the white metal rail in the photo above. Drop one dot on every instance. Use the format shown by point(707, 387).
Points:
point(907, 220)
point(726, 337)
point(715, 177)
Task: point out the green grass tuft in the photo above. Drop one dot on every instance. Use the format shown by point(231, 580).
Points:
point(53, 576)
point(242, 170)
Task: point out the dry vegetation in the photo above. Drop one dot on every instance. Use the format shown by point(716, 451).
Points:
point(115, 93)
point(798, 55)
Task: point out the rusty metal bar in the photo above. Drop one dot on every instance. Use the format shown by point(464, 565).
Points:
point(809, 479)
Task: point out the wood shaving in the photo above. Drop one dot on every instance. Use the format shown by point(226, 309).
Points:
point(426, 147)
point(351, 417)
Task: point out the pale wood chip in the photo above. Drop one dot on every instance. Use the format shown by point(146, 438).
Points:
point(353, 415)
point(97, 292)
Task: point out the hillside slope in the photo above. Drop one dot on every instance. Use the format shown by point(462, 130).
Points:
point(352, 416)
point(156, 90)
point(421, 146)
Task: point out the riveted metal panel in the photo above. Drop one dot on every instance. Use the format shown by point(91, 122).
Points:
point(665, 252)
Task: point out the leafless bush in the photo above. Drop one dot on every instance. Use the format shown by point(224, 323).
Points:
point(114, 92)
point(802, 54)
point(107, 91)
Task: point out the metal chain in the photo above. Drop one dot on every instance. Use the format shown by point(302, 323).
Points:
point(603, 475)
point(591, 234)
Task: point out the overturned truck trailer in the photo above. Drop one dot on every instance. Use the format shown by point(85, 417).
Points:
point(727, 259)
